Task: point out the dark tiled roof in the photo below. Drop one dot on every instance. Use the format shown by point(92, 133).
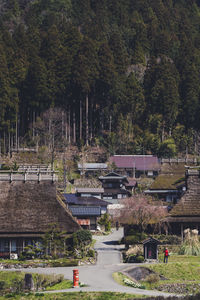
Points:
point(116, 191)
point(70, 198)
point(73, 199)
point(85, 210)
point(151, 240)
point(113, 176)
point(89, 190)
point(139, 162)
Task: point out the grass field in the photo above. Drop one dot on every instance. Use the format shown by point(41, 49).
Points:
point(75, 296)
point(182, 274)
point(180, 269)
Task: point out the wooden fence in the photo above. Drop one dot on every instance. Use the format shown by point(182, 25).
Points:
point(179, 160)
point(28, 176)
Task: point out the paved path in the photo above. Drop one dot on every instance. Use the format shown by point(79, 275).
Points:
point(98, 277)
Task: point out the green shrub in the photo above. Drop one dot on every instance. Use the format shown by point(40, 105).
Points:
point(131, 231)
point(134, 239)
point(134, 259)
point(152, 278)
point(168, 239)
point(43, 280)
point(5, 167)
point(2, 284)
point(91, 253)
point(105, 220)
point(82, 237)
point(139, 259)
point(17, 285)
point(68, 263)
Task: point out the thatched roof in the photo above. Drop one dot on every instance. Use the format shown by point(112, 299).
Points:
point(189, 204)
point(168, 182)
point(31, 207)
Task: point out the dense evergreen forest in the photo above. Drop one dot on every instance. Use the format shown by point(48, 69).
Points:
point(124, 74)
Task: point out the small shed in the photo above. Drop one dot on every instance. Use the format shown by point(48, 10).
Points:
point(151, 248)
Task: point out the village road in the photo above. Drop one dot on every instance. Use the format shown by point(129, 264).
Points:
point(98, 277)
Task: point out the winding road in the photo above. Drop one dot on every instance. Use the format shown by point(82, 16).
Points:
point(98, 277)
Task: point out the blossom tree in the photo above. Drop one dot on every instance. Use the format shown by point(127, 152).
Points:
point(141, 211)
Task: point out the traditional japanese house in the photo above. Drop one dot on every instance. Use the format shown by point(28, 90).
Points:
point(136, 165)
point(186, 213)
point(168, 188)
point(74, 200)
point(86, 215)
point(114, 187)
point(26, 211)
point(92, 168)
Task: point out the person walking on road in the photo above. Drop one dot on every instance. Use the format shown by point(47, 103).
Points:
point(117, 225)
point(166, 254)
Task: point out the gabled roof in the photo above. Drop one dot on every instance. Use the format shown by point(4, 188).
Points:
point(92, 166)
point(131, 182)
point(89, 190)
point(189, 204)
point(87, 201)
point(139, 162)
point(31, 207)
point(85, 210)
point(113, 176)
point(116, 191)
point(151, 240)
point(168, 182)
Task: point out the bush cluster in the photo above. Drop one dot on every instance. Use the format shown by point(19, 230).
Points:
point(106, 222)
point(43, 280)
point(134, 259)
point(134, 239)
point(168, 239)
point(82, 237)
point(152, 278)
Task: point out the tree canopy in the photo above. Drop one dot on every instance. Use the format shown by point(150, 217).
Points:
point(125, 73)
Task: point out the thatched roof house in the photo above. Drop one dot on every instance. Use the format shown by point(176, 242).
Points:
point(167, 187)
point(186, 213)
point(27, 210)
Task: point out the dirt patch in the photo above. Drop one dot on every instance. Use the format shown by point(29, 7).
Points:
point(140, 273)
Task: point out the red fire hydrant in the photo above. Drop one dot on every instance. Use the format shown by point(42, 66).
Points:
point(75, 278)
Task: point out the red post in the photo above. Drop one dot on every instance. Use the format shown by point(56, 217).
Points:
point(75, 278)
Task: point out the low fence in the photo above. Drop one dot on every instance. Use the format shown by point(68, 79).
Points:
point(179, 160)
point(28, 176)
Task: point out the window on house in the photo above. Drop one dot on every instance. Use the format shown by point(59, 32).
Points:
point(4, 246)
point(13, 245)
point(150, 173)
point(85, 195)
point(169, 198)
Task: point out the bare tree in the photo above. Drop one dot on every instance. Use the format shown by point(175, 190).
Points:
point(49, 130)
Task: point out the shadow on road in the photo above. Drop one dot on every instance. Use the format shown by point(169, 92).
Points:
point(111, 243)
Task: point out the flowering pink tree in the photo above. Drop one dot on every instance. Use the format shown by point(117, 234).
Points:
point(142, 211)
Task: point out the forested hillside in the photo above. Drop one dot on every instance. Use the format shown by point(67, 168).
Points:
point(121, 74)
